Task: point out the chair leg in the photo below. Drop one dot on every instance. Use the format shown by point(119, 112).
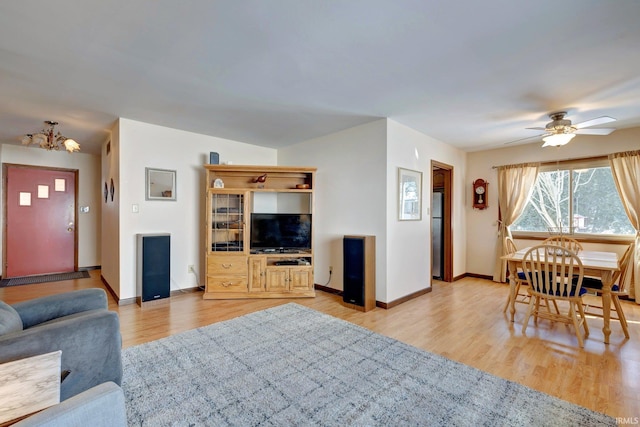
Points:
point(621, 316)
point(537, 310)
point(515, 297)
point(584, 319)
point(576, 325)
point(527, 315)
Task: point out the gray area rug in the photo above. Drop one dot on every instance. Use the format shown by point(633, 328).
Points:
point(57, 277)
point(290, 366)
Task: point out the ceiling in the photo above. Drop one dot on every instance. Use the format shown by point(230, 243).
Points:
point(471, 74)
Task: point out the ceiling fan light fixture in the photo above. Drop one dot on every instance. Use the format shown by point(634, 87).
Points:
point(557, 139)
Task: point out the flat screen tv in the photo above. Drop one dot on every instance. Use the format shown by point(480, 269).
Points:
point(280, 231)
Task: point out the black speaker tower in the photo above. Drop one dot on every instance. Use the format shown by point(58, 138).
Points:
point(359, 272)
point(154, 267)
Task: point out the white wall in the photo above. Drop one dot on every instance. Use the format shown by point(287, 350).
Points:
point(409, 242)
point(88, 224)
point(357, 193)
point(144, 145)
point(110, 227)
point(349, 195)
point(482, 226)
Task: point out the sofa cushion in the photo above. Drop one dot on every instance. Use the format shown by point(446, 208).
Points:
point(9, 319)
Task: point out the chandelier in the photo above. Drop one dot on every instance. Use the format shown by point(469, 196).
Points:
point(49, 140)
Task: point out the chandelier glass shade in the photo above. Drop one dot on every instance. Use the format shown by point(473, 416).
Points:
point(50, 140)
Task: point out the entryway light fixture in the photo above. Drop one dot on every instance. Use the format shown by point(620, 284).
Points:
point(49, 140)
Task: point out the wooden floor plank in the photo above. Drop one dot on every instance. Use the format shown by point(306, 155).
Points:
point(462, 321)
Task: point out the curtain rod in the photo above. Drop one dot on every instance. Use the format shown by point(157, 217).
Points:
point(551, 162)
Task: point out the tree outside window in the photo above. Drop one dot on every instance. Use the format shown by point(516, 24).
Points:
point(575, 201)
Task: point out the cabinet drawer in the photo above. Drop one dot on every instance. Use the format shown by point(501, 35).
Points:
point(227, 284)
point(227, 265)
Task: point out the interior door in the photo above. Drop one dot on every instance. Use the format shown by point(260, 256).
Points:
point(40, 231)
point(441, 218)
point(437, 235)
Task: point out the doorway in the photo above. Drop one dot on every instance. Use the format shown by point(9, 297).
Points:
point(40, 220)
point(441, 230)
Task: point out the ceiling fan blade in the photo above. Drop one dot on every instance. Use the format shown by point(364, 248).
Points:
point(595, 122)
point(527, 138)
point(538, 128)
point(601, 131)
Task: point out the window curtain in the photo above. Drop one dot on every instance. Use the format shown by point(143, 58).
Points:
point(515, 183)
point(625, 168)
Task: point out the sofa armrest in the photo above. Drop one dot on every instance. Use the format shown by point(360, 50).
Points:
point(100, 406)
point(91, 347)
point(43, 309)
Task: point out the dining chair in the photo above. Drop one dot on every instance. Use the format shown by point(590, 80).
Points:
point(564, 241)
point(520, 279)
point(519, 276)
point(617, 290)
point(555, 275)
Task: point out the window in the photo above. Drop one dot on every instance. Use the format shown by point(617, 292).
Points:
point(577, 197)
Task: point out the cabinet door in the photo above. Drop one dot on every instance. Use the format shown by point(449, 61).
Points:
point(226, 221)
point(257, 277)
point(300, 279)
point(277, 279)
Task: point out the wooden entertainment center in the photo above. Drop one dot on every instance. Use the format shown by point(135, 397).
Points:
point(239, 266)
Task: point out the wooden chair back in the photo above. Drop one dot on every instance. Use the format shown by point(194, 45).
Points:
point(564, 241)
point(623, 263)
point(509, 245)
point(554, 272)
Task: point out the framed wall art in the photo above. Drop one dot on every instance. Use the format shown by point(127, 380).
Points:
point(161, 184)
point(409, 195)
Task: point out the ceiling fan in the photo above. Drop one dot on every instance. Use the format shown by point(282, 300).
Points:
point(559, 131)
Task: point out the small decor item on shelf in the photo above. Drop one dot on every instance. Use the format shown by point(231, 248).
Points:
point(261, 178)
point(218, 183)
point(302, 186)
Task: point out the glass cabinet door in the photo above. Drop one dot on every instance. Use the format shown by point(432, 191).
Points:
point(227, 222)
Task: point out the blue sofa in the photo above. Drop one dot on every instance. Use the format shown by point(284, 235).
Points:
point(79, 324)
point(100, 406)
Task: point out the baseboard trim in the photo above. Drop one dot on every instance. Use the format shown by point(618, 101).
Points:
point(477, 276)
point(404, 299)
point(328, 289)
point(385, 305)
point(185, 291)
point(119, 301)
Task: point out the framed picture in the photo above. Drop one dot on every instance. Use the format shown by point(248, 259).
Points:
point(161, 184)
point(409, 195)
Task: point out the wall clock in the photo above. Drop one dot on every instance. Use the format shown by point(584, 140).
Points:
point(480, 187)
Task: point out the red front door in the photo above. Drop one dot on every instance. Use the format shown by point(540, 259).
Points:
point(40, 221)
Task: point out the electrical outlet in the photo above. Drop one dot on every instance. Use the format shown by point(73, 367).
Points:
point(330, 269)
point(191, 269)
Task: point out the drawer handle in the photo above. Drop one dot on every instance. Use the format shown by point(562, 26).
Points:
point(227, 284)
point(227, 265)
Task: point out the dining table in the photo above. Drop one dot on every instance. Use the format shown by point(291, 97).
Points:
point(600, 264)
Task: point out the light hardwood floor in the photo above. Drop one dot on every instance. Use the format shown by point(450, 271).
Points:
point(462, 321)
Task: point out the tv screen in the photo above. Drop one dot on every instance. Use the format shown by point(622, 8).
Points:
point(280, 231)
